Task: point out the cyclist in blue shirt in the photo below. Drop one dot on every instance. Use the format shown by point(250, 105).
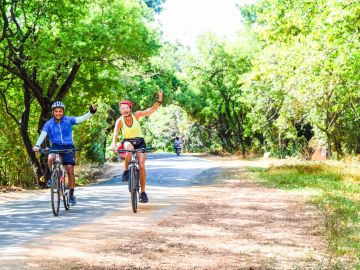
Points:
point(59, 129)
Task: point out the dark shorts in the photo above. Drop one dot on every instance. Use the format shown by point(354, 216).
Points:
point(67, 158)
point(136, 142)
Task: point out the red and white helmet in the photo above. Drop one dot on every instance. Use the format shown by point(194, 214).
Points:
point(126, 102)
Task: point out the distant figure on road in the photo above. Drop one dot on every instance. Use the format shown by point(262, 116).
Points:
point(177, 145)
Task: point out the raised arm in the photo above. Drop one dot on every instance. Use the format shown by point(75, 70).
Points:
point(149, 111)
point(86, 116)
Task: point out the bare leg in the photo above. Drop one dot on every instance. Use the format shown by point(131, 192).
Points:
point(51, 158)
point(127, 146)
point(142, 157)
point(71, 176)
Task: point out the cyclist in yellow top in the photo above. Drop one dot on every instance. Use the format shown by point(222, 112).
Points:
point(133, 138)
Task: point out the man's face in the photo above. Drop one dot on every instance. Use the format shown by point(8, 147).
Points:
point(125, 109)
point(58, 113)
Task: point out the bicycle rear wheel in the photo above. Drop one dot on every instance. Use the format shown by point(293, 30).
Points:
point(55, 192)
point(134, 180)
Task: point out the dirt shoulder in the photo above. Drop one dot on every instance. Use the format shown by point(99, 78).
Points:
point(237, 224)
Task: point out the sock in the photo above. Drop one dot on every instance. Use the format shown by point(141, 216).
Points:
point(71, 192)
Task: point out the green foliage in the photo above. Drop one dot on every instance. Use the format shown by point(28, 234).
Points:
point(15, 169)
point(76, 51)
point(163, 126)
point(166, 123)
point(218, 101)
point(304, 73)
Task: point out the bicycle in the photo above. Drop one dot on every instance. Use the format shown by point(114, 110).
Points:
point(58, 188)
point(134, 182)
point(177, 150)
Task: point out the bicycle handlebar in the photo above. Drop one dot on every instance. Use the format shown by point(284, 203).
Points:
point(135, 150)
point(48, 151)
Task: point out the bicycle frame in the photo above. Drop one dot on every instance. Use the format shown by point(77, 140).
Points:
point(134, 181)
point(57, 165)
point(134, 161)
point(58, 183)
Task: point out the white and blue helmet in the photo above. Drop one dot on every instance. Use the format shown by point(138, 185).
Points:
point(57, 104)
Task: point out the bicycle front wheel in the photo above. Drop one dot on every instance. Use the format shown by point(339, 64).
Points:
point(66, 196)
point(55, 192)
point(134, 180)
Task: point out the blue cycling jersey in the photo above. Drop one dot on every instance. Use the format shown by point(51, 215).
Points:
point(60, 133)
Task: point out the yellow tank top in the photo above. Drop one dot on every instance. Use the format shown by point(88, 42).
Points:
point(131, 132)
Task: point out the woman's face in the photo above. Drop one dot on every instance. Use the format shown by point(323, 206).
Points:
point(125, 109)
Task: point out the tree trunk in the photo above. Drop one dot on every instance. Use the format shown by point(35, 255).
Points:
point(45, 114)
point(328, 141)
point(25, 135)
point(240, 130)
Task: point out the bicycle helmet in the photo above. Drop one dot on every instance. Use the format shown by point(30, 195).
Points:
point(57, 104)
point(126, 102)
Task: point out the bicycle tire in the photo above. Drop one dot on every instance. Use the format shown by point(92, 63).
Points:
point(55, 192)
point(133, 178)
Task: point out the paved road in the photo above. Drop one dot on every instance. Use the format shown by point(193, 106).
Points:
point(23, 221)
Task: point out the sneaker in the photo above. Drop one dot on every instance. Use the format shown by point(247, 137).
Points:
point(72, 200)
point(143, 197)
point(48, 183)
point(125, 176)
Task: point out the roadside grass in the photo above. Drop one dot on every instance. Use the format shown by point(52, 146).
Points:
point(335, 190)
point(87, 174)
point(80, 181)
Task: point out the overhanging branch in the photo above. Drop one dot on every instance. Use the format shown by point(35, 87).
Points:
point(35, 89)
point(64, 89)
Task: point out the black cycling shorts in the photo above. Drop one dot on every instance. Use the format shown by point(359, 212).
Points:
point(136, 142)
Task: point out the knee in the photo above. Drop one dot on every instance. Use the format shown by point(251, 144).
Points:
point(141, 166)
point(70, 169)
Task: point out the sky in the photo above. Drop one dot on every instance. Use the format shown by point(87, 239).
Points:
point(184, 20)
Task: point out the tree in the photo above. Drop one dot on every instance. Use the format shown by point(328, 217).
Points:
point(215, 76)
point(49, 44)
point(308, 58)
